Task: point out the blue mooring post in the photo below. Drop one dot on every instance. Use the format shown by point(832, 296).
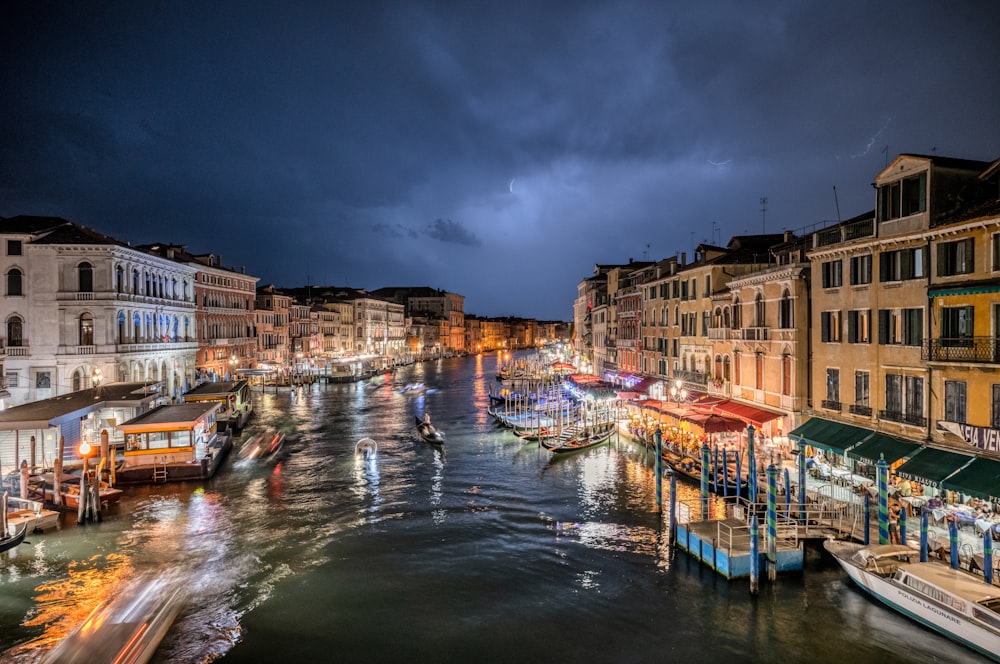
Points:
point(751, 467)
point(739, 474)
point(988, 557)
point(725, 474)
point(868, 518)
point(882, 475)
point(754, 557)
point(704, 481)
point(802, 482)
point(953, 543)
point(658, 439)
point(772, 523)
point(715, 470)
point(673, 508)
point(902, 525)
point(923, 537)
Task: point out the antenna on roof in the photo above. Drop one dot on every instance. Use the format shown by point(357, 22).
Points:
point(763, 212)
point(836, 202)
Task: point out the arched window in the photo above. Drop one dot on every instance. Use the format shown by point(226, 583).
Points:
point(120, 279)
point(187, 329)
point(718, 368)
point(86, 330)
point(136, 327)
point(725, 318)
point(736, 368)
point(759, 366)
point(86, 276)
point(758, 311)
point(725, 367)
point(135, 282)
point(77, 380)
point(737, 316)
point(15, 282)
point(785, 311)
point(15, 331)
point(121, 327)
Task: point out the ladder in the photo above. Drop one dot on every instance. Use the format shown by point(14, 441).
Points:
point(159, 472)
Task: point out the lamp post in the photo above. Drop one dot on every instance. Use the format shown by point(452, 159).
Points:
point(97, 377)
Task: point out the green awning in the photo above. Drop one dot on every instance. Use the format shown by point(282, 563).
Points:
point(878, 445)
point(931, 466)
point(971, 289)
point(829, 435)
point(981, 479)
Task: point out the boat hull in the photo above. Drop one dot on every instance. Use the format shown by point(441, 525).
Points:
point(934, 615)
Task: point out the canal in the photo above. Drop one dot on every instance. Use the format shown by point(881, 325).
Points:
point(484, 550)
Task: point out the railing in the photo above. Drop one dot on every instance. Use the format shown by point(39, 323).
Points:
point(18, 351)
point(718, 333)
point(755, 334)
point(837, 234)
point(855, 409)
point(903, 418)
point(961, 349)
point(692, 377)
point(831, 405)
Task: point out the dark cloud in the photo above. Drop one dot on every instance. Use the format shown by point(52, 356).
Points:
point(450, 231)
point(315, 140)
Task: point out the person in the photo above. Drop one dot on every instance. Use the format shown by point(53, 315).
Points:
point(905, 490)
point(894, 523)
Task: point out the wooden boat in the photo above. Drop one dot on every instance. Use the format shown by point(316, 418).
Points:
point(41, 488)
point(429, 433)
point(263, 445)
point(127, 628)
point(581, 441)
point(30, 513)
point(8, 542)
point(690, 467)
point(954, 603)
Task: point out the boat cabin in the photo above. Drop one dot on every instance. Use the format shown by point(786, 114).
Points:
point(234, 398)
point(173, 443)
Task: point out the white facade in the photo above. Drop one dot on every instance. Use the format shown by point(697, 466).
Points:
point(80, 308)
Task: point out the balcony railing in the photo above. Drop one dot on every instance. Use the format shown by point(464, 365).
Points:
point(831, 405)
point(855, 409)
point(962, 349)
point(903, 418)
point(694, 377)
point(755, 334)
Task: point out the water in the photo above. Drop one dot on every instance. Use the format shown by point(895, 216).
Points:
point(486, 550)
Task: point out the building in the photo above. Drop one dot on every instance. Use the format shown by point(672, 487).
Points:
point(80, 308)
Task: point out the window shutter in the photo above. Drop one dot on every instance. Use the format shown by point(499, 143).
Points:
point(883, 326)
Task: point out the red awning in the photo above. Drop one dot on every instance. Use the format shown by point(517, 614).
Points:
point(644, 385)
point(751, 414)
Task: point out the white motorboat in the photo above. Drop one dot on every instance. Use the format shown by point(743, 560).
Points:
point(955, 603)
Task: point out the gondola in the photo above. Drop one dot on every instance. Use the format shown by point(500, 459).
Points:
point(429, 433)
point(8, 542)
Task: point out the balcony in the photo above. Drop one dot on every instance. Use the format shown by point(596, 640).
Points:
point(18, 351)
point(694, 377)
point(902, 418)
point(962, 349)
point(832, 405)
point(856, 409)
point(755, 333)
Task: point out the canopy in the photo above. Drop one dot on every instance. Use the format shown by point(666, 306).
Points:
point(745, 412)
point(829, 435)
point(981, 478)
point(931, 466)
point(881, 445)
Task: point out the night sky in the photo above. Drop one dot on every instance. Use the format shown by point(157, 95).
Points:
point(493, 149)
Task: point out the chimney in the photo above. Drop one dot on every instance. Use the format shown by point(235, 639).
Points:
point(788, 236)
point(684, 258)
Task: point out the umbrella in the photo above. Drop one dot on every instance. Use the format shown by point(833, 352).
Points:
point(713, 423)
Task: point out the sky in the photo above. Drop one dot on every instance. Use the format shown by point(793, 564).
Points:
point(498, 150)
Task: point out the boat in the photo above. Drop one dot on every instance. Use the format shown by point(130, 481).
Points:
point(954, 603)
point(8, 542)
point(41, 488)
point(263, 445)
point(366, 446)
point(30, 513)
point(581, 441)
point(127, 628)
point(429, 433)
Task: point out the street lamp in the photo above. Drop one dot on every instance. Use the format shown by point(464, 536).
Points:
point(84, 450)
point(678, 392)
point(96, 379)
